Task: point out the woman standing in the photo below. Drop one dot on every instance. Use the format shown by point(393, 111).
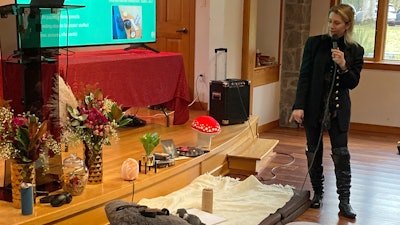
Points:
point(331, 66)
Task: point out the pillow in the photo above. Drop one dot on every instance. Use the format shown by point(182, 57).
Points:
point(125, 213)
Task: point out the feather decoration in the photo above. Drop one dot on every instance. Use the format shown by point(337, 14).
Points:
point(61, 97)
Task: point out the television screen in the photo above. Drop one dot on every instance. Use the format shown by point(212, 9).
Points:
point(98, 22)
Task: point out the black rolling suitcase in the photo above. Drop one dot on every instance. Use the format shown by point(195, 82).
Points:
point(229, 98)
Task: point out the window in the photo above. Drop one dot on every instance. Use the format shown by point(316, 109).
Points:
point(377, 29)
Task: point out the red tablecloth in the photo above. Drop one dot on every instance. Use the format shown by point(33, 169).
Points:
point(131, 78)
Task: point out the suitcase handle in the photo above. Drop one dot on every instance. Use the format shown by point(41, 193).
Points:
point(216, 59)
point(221, 50)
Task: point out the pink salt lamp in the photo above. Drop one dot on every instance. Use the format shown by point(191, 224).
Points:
point(130, 169)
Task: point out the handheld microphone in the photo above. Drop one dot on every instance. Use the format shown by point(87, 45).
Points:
point(334, 41)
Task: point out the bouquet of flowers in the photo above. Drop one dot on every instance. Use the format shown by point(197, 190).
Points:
point(23, 138)
point(94, 120)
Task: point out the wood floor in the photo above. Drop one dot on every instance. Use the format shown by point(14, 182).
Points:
point(375, 192)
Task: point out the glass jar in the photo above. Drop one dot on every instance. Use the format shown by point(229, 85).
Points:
point(75, 175)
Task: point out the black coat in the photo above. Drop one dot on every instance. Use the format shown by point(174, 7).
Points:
point(316, 62)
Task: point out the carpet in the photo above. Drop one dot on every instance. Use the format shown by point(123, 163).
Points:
point(239, 202)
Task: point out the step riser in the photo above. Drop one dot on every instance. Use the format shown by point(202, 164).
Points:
point(253, 157)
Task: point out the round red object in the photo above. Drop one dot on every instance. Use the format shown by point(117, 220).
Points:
point(206, 124)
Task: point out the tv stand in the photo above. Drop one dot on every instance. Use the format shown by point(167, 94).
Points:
point(141, 45)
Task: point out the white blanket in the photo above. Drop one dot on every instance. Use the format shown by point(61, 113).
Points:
point(245, 202)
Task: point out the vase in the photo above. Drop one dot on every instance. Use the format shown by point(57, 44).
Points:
point(21, 173)
point(75, 175)
point(94, 164)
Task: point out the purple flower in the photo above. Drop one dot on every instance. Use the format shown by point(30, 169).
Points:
point(18, 122)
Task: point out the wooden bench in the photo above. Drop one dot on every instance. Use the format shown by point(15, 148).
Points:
point(252, 158)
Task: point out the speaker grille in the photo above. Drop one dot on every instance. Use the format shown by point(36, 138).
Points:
point(229, 101)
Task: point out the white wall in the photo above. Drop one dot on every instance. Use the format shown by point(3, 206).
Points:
point(266, 97)
point(225, 27)
point(376, 100)
point(266, 102)
point(202, 46)
point(268, 16)
point(226, 31)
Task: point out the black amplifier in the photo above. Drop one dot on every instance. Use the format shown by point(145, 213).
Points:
point(229, 101)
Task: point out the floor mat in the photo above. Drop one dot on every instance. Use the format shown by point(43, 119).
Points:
point(240, 202)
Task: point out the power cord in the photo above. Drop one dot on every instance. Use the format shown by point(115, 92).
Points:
point(133, 191)
point(201, 76)
point(323, 124)
point(244, 112)
point(197, 93)
point(278, 167)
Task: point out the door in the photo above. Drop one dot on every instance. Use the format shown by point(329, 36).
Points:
point(175, 32)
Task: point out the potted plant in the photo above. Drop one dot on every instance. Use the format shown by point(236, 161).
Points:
point(28, 144)
point(89, 118)
point(149, 142)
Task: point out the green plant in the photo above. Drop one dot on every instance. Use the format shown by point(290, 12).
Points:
point(149, 142)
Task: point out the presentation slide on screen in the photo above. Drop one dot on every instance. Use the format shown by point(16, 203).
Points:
point(98, 22)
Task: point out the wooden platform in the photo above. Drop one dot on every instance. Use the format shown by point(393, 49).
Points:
point(88, 208)
point(253, 157)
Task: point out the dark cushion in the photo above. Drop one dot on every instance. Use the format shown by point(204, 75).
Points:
point(298, 199)
point(296, 206)
point(123, 213)
point(272, 219)
point(296, 213)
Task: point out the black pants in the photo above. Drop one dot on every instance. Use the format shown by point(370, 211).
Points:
point(340, 156)
point(338, 138)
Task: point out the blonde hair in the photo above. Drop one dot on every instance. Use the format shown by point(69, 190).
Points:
point(346, 12)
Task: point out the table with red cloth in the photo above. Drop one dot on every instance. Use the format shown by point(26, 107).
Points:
point(132, 78)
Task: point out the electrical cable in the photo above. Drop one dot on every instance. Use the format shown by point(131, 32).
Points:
point(68, 51)
point(194, 100)
point(133, 191)
point(278, 167)
point(197, 93)
point(244, 112)
point(325, 116)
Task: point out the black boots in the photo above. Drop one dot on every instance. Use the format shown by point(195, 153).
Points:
point(316, 202)
point(346, 210)
point(341, 159)
point(316, 177)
